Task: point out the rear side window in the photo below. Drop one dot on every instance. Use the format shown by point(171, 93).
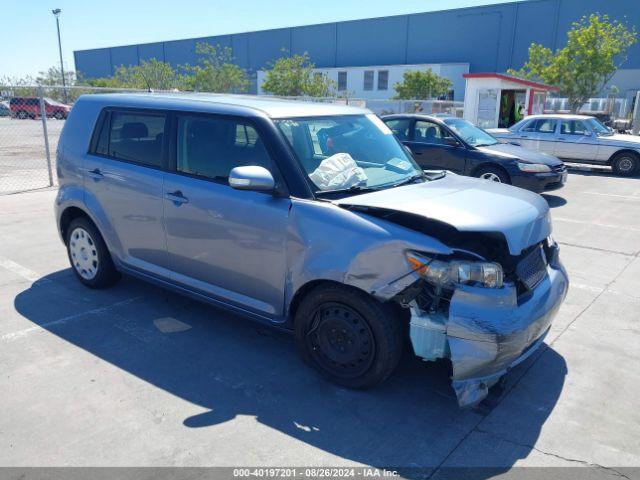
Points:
point(400, 127)
point(133, 137)
point(211, 147)
point(543, 125)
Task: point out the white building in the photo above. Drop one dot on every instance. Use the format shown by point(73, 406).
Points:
point(377, 82)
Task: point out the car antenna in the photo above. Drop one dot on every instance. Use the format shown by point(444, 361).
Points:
point(149, 89)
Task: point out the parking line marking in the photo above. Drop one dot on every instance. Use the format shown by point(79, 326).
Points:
point(21, 271)
point(628, 197)
point(588, 288)
point(63, 320)
point(605, 225)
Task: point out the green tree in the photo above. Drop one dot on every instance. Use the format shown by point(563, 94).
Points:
point(216, 71)
point(53, 77)
point(294, 76)
point(421, 85)
point(151, 74)
point(596, 48)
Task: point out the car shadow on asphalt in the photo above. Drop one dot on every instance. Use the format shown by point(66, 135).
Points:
point(554, 201)
point(231, 366)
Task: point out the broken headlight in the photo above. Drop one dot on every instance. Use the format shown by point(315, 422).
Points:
point(445, 274)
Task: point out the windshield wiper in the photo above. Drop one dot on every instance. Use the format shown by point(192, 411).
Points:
point(407, 181)
point(353, 188)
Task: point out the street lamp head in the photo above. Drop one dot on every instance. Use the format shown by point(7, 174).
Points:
point(56, 12)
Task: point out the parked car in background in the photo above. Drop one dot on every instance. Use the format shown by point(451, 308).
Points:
point(454, 144)
point(313, 218)
point(576, 138)
point(29, 107)
point(5, 110)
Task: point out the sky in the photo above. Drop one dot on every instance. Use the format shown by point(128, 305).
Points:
point(28, 41)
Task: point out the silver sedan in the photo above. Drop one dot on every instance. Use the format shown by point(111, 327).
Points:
point(576, 138)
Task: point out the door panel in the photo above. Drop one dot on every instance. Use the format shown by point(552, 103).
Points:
point(576, 141)
point(227, 243)
point(539, 135)
point(130, 194)
point(430, 151)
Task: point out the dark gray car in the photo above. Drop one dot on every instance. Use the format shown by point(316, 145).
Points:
point(314, 219)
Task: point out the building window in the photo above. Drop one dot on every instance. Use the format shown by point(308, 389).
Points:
point(368, 80)
point(383, 79)
point(342, 81)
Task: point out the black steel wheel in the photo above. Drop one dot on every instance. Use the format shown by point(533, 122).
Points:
point(348, 336)
point(340, 340)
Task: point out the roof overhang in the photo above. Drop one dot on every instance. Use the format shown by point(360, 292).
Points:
point(512, 79)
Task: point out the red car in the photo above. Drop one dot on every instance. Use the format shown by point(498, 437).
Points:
point(29, 107)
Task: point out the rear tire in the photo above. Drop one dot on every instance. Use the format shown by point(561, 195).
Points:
point(625, 164)
point(493, 174)
point(88, 254)
point(350, 337)
point(22, 115)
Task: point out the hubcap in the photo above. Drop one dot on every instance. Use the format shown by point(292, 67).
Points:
point(340, 341)
point(491, 177)
point(84, 255)
point(625, 164)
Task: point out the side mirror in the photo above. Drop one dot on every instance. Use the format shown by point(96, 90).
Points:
point(452, 142)
point(251, 178)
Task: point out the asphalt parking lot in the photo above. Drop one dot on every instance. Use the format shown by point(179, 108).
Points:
point(137, 376)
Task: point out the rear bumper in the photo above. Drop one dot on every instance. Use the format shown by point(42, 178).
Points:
point(488, 332)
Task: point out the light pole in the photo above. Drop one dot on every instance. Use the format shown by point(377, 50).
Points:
point(57, 13)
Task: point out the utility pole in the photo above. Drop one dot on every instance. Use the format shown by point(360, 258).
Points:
point(57, 13)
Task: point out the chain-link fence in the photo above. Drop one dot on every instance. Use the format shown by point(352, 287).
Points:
point(31, 120)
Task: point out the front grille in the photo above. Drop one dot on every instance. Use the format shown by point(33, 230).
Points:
point(532, 268)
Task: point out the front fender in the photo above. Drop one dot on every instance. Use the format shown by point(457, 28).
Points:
point(327, 242)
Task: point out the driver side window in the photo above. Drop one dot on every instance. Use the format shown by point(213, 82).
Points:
point(429, 132)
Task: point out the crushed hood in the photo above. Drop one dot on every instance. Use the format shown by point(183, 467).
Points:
point(469, 205)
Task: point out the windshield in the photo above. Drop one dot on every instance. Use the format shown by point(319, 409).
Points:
point(349, 152)
point(471, 134)
point(598, 127)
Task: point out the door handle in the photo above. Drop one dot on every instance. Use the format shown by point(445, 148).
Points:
point(177, 197)
point(95, 174)
point(561, 138)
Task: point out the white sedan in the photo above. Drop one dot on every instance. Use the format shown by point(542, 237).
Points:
point(576, 138)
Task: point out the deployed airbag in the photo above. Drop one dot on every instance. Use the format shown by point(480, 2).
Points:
point(338, 171)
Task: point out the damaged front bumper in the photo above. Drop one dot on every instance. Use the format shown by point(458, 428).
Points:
point(488, 331)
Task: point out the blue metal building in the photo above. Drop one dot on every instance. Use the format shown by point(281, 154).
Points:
point(491, 38)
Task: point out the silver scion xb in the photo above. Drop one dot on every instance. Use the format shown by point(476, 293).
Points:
point(311, 218)
point(576, 138)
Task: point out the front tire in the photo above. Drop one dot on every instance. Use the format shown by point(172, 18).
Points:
point(89, 256)
point(351, 338)
point(625, 164)
point(493, 174)
point(59, 116)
